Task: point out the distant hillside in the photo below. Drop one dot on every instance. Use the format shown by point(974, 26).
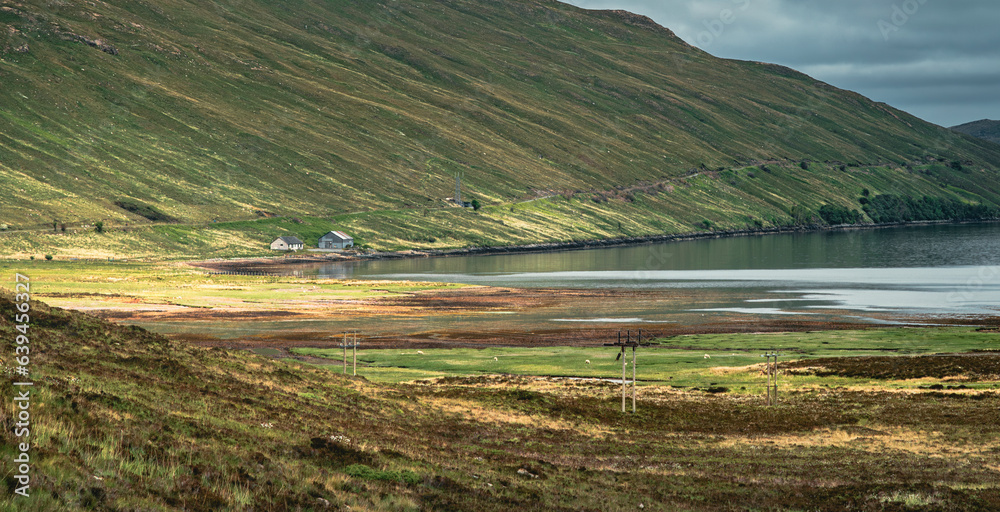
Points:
point(985, 129)
point(193, 112)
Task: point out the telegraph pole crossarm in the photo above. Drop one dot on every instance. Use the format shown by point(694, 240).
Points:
point(623, 344)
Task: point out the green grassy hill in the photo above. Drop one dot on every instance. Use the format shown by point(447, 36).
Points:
point(985, 129)
point(139, 113)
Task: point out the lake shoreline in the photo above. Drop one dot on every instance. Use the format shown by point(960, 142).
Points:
point(261, 264)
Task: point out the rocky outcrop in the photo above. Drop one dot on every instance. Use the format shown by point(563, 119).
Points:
point(94, 43)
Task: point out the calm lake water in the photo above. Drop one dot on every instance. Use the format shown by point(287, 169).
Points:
point(919, 274)
point(931, 271)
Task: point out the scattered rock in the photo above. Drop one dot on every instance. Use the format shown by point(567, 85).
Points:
point(525, 473)
point(99, 44)
point(93, 43)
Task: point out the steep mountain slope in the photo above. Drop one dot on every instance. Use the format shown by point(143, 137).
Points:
point(196, 111)
point(985, 129)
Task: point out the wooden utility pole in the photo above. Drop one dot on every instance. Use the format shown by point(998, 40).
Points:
point(354, 347)
point(772, 377)
point(623, 370)
point(774, 380)
point(633, 376)
point(622, 355)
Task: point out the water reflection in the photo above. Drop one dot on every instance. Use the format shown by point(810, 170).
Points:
point(877, 276)
point(917, 246)
point(935, 269)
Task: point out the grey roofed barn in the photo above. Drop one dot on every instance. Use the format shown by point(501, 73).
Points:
point(335, 240)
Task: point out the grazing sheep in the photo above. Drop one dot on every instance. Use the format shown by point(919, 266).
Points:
point(587, 361)
point(495, 359)
point(707, 356)
point(421, 352)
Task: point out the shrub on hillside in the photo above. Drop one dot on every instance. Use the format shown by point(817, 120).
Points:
point(144, 210)
point(832, 214)
point(801, 216)
point(893, 208)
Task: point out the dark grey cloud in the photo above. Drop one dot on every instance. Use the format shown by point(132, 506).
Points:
point(937, 59)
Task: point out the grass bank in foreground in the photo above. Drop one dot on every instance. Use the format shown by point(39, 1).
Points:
point(124, 419)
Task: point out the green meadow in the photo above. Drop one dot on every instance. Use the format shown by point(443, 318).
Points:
point(130, 285)
point(734, 360)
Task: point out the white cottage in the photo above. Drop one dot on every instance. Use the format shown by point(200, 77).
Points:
point(287, 243)
point(335, 240)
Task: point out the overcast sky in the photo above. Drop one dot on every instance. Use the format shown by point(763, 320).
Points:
point(937, 59)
